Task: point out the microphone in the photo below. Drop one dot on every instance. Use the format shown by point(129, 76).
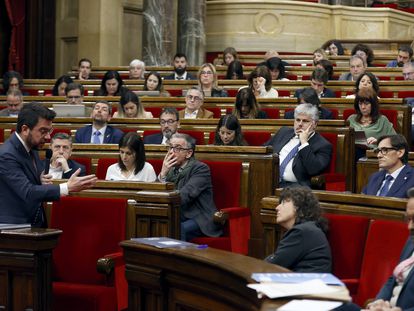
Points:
point(49, 154)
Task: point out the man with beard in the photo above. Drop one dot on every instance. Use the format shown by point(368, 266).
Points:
point(23, 186)
point(169, 122)
point(405, 53)
point(180, 69)
point(99, 132)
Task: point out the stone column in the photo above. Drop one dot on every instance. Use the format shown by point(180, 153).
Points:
point(159, 32)
point(191, 30)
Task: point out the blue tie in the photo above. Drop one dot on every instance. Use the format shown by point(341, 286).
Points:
point(286, 161)
point(96, 139)
point(386, 187)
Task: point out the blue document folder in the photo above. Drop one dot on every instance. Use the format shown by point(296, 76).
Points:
point(328, 278)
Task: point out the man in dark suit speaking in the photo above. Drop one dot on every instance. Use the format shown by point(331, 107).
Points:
point(22, 185)
point(303, 153)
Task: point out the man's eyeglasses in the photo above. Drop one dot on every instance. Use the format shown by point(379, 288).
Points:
point(407, 74)
point(44, 131)
point(383, 150)
point(73, 97)
point(169, 122)
point(177, 149)
point(195, 98)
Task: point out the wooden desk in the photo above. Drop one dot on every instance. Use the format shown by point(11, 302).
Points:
point(26, 268)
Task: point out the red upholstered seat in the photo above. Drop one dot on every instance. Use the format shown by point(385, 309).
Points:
point(156, 164)
point(382, 251)
point(1, 135)
point(392, 115)
point(156, 111)
point(92, 228)
point(272, 113)
point(226, 180)
point(87, 162)
point(254, 138)
point(102, 167)
point(346, 236)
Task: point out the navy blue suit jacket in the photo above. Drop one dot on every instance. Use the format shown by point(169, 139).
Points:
point(172, 77)
point(309, 161)
point(327, 93)
point(406, 299)
point(403, 182)
point(324, 114)
point(21, 192)
point(154, 139)
point(74, 167)
point(112, 135)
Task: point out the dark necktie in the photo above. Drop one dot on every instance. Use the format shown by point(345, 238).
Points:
point(386, 187)
point(286, 161)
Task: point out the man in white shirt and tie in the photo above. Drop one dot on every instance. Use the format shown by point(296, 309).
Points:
point(180, 69)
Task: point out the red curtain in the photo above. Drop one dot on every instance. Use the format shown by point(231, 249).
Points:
point(16, 12)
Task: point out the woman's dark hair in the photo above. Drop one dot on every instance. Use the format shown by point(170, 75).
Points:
point(309, 95)
point(133, 142)
point(367, 96)
point(129, 96)
point(246, 96)
point(232, 51)
point(261, 71)
point(235, 67)
point(232, 123)
point(275, 63)
point(66, 79)
point(374, 81)
point(337, 44)
point(327, 65)
point(111, 74)
point(153, 73)
point(8, 76)
point(306, 205)
point(367, 50)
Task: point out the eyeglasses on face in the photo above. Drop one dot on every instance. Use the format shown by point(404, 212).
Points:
point(206, 72)
point(73, 97)
point(384, 150)
point(169, 122)
point(195, 98)
point(177, 149)
point(45, 131)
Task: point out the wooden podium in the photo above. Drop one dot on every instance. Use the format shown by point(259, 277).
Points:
point(26, 268)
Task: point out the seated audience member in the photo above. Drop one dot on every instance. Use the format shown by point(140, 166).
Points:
point(246, 106)
point(334, 48)
point(369, 120)
point(14, 101)
point(366, 53)
point(235, 71)
point(193, 105)
point(84, 69)
point(12, 80)
point(169, 121)
point(277, 68)
point(318, 82)
point(327, 65)
point(404, 56)
point(303, 153)
point(153, 82)
point(229, 132)
point(357, 67)
point(318, 55)
point(61, 166)
point(396, 176)
point(229, 55)
point(136, 69)
point(111, 85)
point(99, 132)
point(180, 69)
point(207, 81)
point(130, 107)
point(193, 181)
point(60, 85)
point(273, 53)
point(74, 93)
point(131, 165)
point(408, 71)
point(260, 81)
point(309, 96)
point(366, 80)
point(304, 247)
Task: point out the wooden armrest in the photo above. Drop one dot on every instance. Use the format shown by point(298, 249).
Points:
point(318, 182)
point(106, 265)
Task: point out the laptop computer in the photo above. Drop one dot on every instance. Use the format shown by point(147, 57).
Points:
point(67, 110)
point(147, 93)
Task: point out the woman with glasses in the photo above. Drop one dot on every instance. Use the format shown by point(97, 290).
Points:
point(131, 164)
point(304, 247)
point(130, 107)
point(207, 81)
point(368, 120)
point(229, 132)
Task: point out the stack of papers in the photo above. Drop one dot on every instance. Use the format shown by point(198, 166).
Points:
point(327, 278)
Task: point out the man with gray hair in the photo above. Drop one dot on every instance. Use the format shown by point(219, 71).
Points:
point(303, 153)
point(194, 100)
point(14, 100)
point(357, 67)
point(192, 179)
